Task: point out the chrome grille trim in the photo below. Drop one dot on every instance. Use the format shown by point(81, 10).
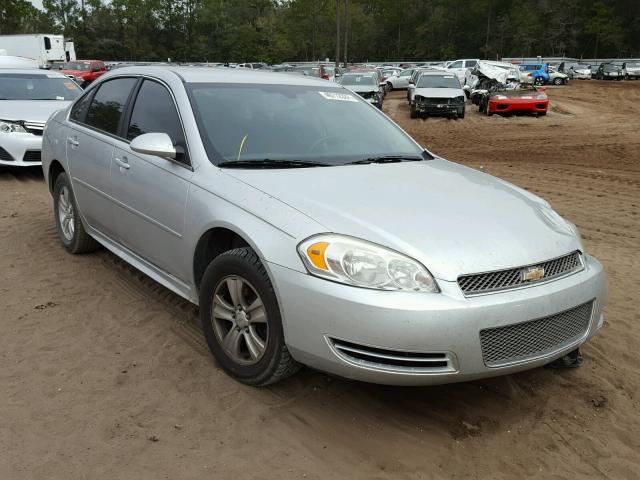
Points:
point(528, 340)
point(34, 125)
point(500, 280)
point(392, 360)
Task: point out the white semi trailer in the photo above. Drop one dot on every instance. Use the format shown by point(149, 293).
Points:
point(43, 48)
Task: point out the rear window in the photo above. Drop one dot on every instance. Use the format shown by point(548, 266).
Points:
point(108, 103)
point(359, 79)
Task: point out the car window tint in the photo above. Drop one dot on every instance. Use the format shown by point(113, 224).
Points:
point(470, 63)
point(457, 64)
point(108, 103)
point(155, 112)
point(78, 111)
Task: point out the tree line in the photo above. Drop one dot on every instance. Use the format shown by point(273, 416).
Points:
point(275, 31)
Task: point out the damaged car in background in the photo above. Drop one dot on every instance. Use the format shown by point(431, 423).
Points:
point(579, 72)
point(438, 93)
point(485, 75)
point(514, 98)
point(364, 84)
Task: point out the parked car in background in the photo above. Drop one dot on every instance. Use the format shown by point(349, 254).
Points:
point(310, 229)
point(400, 80)
point(413, 79)
point(609, 71)
point(253, 65)
point(536, 73)
point(365, 84)
point(84, 71)
point(631, 70)
point(509, 99)
point(556, 77)
point(459, 67)
point(579, 72)
point(438, 93)
point(28, 97)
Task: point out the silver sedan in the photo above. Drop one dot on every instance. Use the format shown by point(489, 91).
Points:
point(311, 230)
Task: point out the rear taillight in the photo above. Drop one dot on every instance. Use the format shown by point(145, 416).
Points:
point(324, 76)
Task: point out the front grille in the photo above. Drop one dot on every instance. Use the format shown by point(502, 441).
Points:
point(521, 341)
point(36, 128)
point(395, 360)
point(513, 278)
point(439, 101)
point(32, 156)
point(6, 156)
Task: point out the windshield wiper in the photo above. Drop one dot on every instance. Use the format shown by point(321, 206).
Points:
point(271, 163)
point(386, 159)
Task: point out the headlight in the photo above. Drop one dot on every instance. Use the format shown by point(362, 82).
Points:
point(541, 96)
point(11, 127)
point(460, 99)
point(364, 264)
point(500, 97)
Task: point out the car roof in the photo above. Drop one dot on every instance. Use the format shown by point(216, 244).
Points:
point(227, 75)
point(33, 71)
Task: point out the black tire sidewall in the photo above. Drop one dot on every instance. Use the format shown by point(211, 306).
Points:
point(221, 267)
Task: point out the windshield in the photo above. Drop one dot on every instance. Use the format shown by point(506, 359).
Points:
point(20, 86)
point(359, 79)
point(284, 122)
point(76, 66)
point(438, 81)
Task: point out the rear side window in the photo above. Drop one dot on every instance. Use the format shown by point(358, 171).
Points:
point(155, 112)
point(108, 103)
point(457, 64)
point(79, 110)
point(470, 63)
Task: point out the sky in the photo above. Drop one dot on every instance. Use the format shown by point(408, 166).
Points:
point(37, 3)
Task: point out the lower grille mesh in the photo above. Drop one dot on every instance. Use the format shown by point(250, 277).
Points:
point(32, 156)
point(4, 155)
point(512, 343)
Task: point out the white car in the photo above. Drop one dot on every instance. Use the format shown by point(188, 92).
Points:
point(631, 70)
point(460, 67)
point(28, 97)
point(400, 81)
point(438, 93)
point(556, 77)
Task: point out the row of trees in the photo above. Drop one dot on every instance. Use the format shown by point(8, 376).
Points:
point(376, 30)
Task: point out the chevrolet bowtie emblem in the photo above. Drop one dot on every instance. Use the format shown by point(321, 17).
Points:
point(532, 273)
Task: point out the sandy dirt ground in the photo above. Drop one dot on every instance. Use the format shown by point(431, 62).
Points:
point(104, 375)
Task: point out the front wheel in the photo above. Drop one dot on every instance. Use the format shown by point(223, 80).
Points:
point(69, 225)
point(413, 113)
point(557, 81)
point(461, 113)
point(241, 319)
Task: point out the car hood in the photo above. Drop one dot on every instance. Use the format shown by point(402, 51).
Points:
point(453, 219)
point(362, 88)
point(30, 110)
point(440, 92)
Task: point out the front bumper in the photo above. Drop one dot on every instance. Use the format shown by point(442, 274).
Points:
point(512, 106)
point(315, 311)
point(443, 108)
point(20, 149)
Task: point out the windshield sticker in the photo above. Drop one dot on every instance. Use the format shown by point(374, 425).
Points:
point(58, 97)
point(338, 96)
point(448, 76)
point(70, 85)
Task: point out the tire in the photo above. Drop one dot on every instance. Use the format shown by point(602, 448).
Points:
point(242, 267)
point(487, 110)
point(413, 113)
point(389, 87)
point(69, 225)
point(557, 81)
point(538, 81)
point(542, 114)
point(461, 113)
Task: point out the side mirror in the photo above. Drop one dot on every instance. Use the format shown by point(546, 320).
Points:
point(158, 144)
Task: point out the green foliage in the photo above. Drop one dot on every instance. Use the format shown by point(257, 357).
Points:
point(280, 30)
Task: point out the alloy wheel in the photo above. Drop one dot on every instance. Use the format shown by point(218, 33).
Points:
point(239, 320)
point(66, 214)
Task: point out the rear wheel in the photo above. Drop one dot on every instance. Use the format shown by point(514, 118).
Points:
point(538, 81)
point(69, 225)
point(241, 319)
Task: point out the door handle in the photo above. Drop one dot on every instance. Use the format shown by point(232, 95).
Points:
point(122, 162)
point(73, 142)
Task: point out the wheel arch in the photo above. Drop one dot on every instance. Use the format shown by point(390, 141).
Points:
point(55, 169)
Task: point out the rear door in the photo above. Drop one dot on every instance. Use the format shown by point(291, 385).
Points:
point(151, 192)
point(94, 122)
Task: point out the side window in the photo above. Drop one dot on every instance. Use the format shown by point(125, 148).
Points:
point(47, 43)
point(457, 64)
point(470, 63)
point(155, 112)
point(79, 110)
point(108, 103)
point(406, 73)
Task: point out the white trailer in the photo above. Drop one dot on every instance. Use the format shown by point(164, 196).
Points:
point(43, 48)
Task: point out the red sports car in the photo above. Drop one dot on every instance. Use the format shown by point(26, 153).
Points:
point(523, 98)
